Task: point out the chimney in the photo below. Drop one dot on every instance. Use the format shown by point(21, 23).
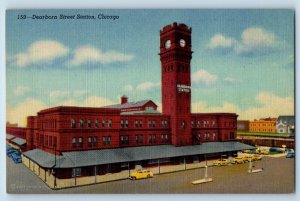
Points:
point(124, 99)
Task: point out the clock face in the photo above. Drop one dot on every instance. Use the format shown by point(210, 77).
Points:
point(182, 43)
point(168, 44)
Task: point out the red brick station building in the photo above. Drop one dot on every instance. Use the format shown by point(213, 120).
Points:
point(69, 146)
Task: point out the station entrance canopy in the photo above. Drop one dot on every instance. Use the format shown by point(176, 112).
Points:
point(129, 154)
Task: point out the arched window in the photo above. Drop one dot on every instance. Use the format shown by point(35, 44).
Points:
point(81, 123)
point(89, 123)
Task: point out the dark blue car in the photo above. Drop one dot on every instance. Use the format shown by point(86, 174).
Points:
point(290, 153)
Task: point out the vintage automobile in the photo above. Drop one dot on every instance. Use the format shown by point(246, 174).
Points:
point(221, 162)
point(239, 160)
point(253, 157)
point(141, 174)
point(290, 153)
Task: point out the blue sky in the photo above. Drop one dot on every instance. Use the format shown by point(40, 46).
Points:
point(243, 60)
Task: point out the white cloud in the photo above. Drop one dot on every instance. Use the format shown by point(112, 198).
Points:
point(91, 101)
point(270, 105)
point(229, 80)
point(219, 40)
point(57, 94)
point(204, 77)
point(30, 107)
point(21, 90)
point(43, 51)
point(253, 40)
point(89, 54)
point(146, 86)
point(19, 113)
point(128, 88)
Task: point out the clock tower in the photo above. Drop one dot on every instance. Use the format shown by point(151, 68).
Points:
point(175, 56)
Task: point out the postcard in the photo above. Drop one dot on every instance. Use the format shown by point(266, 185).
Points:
point(169, 101)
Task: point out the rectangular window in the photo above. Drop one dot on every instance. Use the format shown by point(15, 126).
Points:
point(166, 138)
point(109, 140)
point(192, 124)
point(76, 172)
point(154, 138)
point(126, 123)
point(89, 141)
point(136, 139)
point(162, 124)
point(50, 141)
point(136, 123)
point(109, 123)
point(46, 140)
point(103, 123)
point(121, 139)
point(162, 138)
point(153, 124)
point(166, 123)
point(141, 123)
point(149, 124)
point(80, 142)
point(54, 141)
point(96, 123)
point(104, 140)
point(126, 139)
point(122, 123)
point(73, 123)
point(150, 139)
point(74, 142)
point(95, 141)
point(141, 138)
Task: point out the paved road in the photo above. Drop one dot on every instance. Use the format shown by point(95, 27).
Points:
point(277, 177)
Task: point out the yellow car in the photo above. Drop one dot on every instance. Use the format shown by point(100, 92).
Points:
point(253, 157)
point(221, 162)
point(239, 160)
point(246, 151)
point(256, 157)
point(262, 151)
point(141, 174)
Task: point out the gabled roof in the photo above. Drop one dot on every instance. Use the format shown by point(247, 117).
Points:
point(130, 104)
point(286, 119)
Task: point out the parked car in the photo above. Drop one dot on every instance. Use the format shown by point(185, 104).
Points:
point(262, 151)
point(221, 162)
point(290, 153)
point(141, 174)
point(253, 157)
point(16, 158)
point(239, 160)
point(275, 150)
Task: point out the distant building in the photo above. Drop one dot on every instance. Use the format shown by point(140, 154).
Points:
point(8, 124)
point(286, 124)
point(264, 125)
point(243, 125)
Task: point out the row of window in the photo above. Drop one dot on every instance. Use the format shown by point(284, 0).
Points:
point(207, 123)
point(179, 68)
point(46, 140)
point(123, 123)
point(205, 136)
point(139, 139)
point(49, 123)
point(89, 123)
point(92, 141)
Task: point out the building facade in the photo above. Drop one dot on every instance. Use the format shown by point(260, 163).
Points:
point(286, 124)
point(107, 139)
point(243, 125)
point(264, 125)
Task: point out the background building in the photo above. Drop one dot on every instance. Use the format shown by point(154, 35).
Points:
point(286, 124)
point(264, 125)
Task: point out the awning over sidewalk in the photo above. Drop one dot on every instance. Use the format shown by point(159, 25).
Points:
point(9, 136)
point(128, 154)
point(19, 141)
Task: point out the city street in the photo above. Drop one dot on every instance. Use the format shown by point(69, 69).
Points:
point(277, 177)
